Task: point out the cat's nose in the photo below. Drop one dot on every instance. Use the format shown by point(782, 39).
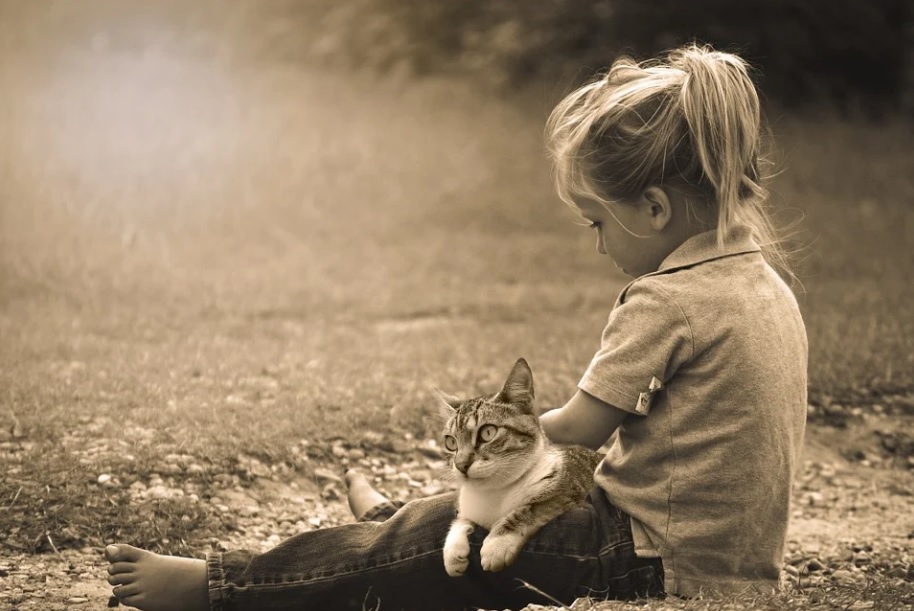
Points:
point(463, 466)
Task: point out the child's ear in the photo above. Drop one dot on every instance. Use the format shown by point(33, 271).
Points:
point(518, 388)
point(447, 404)
point(657, 203)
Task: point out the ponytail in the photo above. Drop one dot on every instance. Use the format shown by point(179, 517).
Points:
point(721, 107)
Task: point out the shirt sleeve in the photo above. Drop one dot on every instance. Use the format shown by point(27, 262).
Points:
point(645, 341)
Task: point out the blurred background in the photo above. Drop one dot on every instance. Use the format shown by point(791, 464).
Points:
point(241, 238)
point(354, 195)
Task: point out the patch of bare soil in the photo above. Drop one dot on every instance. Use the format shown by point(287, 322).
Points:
point(852, 523)
point(853, 517)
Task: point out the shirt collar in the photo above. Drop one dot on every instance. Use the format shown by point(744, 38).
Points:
point(704, 247)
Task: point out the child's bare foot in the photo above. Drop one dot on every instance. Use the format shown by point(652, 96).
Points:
point(362, 496)
point(152, 582)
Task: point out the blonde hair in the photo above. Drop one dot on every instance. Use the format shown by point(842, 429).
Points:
point(691, 120)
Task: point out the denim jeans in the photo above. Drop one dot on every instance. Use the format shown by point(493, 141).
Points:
point(392, 559)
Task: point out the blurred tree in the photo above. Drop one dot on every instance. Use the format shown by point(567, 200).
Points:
point(842, 51)
point(907, 80)
point(851, 53)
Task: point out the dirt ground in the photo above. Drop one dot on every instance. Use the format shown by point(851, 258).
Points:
point(852, 522)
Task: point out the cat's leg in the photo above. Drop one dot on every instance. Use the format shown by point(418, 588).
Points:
point(457, 547)
point(504, 542)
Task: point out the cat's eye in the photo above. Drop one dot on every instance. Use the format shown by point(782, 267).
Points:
point(487, 433)
point(450, 443)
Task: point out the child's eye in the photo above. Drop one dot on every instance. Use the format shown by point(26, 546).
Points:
point(487, 433)
point(450, 443)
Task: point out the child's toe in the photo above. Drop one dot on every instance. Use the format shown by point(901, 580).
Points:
point(125, 591)
point(121, 579)
point(121, 567)
point(122, 552)
point(130, 553)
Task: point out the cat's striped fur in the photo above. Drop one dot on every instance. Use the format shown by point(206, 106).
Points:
point(512, 479)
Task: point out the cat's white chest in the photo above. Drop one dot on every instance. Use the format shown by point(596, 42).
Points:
point(485, 506)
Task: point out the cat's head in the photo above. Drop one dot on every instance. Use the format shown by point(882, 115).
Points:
point(491, 439)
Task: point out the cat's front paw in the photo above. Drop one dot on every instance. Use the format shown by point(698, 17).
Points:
point(457, 548)
point(500, 551)
point(456, 556)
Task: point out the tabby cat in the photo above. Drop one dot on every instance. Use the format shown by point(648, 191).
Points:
point(512, 480)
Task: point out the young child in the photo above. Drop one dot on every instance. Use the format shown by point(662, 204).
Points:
point(700, 382)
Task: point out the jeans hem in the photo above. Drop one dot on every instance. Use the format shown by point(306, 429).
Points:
point(216, 583)
point(380, 512)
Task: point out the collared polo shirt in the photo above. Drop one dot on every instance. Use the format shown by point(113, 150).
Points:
point(709, 354)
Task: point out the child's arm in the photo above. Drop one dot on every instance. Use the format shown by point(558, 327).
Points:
point(584, 420)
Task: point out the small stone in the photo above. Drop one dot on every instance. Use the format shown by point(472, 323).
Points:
point(429, 448)
point(339, 451)
point(396, 446)
point(861, 558)
point(813, 566)
point(327, 475)
point(356, 454)
point(812, 581)
point(224, 479)
point(248, 511)
point(843, 577)
point(372, 438)
point(330, 492)
point(420, 475)
point(104, 478)
point(795, 558)
point(158, 492)
point(77, 600)
point(813, 498)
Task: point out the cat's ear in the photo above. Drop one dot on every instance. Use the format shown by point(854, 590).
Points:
point(518, 388)
point(448, 404)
